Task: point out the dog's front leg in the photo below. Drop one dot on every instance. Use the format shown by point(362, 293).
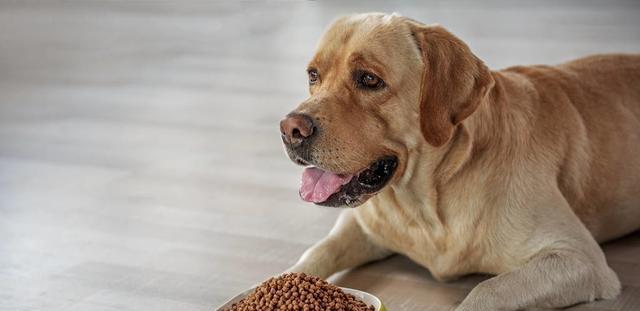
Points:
point(552, 279)
point(345, 247)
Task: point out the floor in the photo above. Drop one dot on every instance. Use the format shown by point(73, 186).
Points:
point(140, 159)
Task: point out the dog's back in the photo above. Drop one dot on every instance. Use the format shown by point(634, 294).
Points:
point(593, 106)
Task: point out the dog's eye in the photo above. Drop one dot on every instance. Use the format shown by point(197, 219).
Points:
point(367, 80)
point(313, 76)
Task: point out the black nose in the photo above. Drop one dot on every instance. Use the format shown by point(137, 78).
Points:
point(295, 128)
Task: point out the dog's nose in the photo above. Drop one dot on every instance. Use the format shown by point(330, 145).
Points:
point(295, 128)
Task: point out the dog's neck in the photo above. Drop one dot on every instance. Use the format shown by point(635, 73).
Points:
point(500, 123)
point(476, 134)
point(416, 194)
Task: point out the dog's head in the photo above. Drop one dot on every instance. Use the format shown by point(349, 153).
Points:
point(379, 85)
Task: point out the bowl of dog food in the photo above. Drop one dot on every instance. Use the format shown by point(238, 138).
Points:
point(302, 292)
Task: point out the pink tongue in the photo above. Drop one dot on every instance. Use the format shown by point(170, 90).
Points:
point(318, 185)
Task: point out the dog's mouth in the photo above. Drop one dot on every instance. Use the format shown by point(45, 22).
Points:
point(331, 189)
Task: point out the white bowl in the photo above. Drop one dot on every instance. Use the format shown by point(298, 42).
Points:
point(365, 297)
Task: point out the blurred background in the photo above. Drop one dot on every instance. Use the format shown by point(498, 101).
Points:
point(141, 166)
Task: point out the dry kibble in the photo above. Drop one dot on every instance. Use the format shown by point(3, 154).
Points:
point(298, 291)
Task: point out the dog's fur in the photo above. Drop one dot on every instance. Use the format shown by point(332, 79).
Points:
point(518, 172)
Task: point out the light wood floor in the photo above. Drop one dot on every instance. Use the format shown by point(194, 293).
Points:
point(140, 159)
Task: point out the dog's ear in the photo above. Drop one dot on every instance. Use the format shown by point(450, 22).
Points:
point(454, 81)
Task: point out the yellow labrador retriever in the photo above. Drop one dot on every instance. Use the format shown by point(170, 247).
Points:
point(518, 173)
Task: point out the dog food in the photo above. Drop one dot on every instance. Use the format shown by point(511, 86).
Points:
point(299, 292)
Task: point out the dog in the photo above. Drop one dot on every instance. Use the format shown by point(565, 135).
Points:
point(517, 173)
